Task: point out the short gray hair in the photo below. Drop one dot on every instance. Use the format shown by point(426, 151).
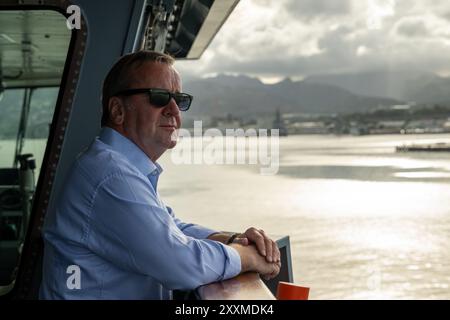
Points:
point(121, 76)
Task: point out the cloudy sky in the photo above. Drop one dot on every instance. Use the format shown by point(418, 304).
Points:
point(272, 39)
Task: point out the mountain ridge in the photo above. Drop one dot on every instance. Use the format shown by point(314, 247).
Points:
point(245, 96)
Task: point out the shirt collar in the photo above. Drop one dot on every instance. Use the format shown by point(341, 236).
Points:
point(131, 151)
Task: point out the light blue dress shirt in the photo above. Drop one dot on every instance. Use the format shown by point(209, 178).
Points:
point(111, 224)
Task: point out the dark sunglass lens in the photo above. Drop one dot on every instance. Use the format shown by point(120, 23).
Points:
point(183, 101)
point(159, 98)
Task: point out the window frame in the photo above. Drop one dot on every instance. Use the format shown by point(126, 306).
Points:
point(25, 285)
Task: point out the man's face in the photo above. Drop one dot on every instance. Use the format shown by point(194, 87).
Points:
point(153, 128)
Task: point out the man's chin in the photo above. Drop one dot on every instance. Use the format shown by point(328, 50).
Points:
point(171, 145)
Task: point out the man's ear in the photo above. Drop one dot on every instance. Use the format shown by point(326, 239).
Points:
point(116, 110)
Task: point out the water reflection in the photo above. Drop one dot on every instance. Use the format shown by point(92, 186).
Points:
point(367, 173)
point(365, 222)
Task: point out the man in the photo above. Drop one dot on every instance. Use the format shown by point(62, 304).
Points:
point(111, 236)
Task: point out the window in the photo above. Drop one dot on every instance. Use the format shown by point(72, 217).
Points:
point(33, 51)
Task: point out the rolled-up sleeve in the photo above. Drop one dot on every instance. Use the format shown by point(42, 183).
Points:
point(128, 228)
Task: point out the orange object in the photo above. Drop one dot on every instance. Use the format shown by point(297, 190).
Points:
point(290, 291)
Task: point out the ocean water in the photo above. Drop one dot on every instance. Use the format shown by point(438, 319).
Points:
point(364, 221)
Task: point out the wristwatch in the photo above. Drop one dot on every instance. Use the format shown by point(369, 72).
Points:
point(233, 236)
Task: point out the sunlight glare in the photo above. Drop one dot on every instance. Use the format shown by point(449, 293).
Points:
point(377, 11)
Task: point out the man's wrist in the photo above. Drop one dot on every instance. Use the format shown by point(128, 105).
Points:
point(245, 253)
point(222, 237)
point(232, 238)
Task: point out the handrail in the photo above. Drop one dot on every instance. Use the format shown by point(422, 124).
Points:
point(247, 286)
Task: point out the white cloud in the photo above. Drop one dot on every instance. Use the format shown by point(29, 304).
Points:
point(378, 11)
point(299, 37)
point(318, 9)
point(362, 51)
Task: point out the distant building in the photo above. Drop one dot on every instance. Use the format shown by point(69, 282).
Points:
point(226, 122)
point(357, 129)
point(278, 123)
point(426, 126)
point(388, 127)
point(446, 125)
point(309, 127)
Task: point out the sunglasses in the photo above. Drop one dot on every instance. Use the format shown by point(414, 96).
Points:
point(161, 97)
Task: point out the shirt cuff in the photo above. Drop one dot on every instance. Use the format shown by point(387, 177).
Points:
point(233, 264)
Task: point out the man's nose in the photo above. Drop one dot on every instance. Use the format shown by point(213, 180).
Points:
point(171, 109)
